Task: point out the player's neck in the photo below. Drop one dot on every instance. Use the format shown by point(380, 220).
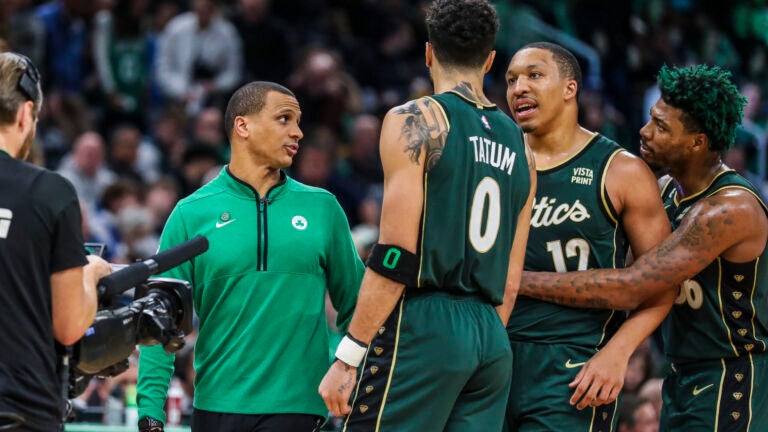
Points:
point(695, 177)
point(469, 85)
point(260, 177)
point(559, 144)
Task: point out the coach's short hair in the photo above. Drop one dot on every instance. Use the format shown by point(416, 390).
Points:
point(462, 32)
point(250, 99)
point(567, 64)
point(19, 82)
point(710, 102)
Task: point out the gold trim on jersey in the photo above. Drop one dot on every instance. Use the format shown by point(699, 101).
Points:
point(720, 303)
point(394, 362)
point(751, 389)
point(424, 208)
point(714, 179)
point(573, 156)
point(752, 304)
point(359, 376)
point(720, 394)
point(604, 198)
point(735, 186)
point(478, 104)
point(442, 111)
point(613, 416)
point(604, 192)
point(423, 229)
point(605, 326)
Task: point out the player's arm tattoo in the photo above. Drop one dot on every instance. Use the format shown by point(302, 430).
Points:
point(698, 241)
point(423, 128)
point(465, 89)
point(350, 378)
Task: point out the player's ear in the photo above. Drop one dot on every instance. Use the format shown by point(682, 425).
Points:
point(701, 141)
point(571, 89)
point(25, 116)
point(428, 53)
point(489, 61)
point(240, 127)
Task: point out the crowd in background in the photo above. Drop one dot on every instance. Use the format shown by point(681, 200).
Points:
point(135, 93)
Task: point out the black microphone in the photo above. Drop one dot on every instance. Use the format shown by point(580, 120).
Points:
point(138, 272)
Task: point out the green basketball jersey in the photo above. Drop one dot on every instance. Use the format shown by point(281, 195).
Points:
point(722, 312)
point(472, 199)
point(573, 227)
point(129, 59)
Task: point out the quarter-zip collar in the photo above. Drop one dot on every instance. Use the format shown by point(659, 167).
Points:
point(242, 189)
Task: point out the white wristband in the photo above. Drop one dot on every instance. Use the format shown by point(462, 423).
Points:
point(351, 351)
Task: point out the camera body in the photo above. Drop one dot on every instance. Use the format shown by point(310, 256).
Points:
point(160, 312)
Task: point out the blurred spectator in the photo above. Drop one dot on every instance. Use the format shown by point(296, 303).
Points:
point(639, 369)
point(136, 226)
point(638, 415)
point(208, 129)
point(200, 57)
point(24, 29)
point(62, 119)
point(742, 157)
point(122, 56)
point(651, 391)
point(315, 164)
point(267, 44)
point(197, 161)
point(160, 199)
point(66, 60)
point(322, 83)
point(169, 138)
point(119, 195)
point(366, 232)
point(86, 168)
point(124, 152)
point(363, 162)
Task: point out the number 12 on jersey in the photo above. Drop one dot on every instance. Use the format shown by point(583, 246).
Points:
point(576, 247)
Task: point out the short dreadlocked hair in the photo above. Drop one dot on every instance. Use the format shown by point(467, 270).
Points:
point(710, 102)
point(462, 32)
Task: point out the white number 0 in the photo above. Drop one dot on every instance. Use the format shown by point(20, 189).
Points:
point(483, 241)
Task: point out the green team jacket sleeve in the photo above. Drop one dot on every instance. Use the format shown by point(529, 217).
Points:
point(155, 365)
point(344, 271)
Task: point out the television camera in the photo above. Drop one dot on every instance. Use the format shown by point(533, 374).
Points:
point(159, 313)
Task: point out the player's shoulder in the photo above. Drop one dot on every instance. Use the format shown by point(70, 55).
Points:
point(414, 106)
point(623, 162)
point(738, 197)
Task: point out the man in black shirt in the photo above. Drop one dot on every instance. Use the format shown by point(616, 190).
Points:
point(47, 284)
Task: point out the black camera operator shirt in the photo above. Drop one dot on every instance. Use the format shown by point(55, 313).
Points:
point(40, 234)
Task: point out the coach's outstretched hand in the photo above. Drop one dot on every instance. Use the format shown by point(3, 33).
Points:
point(148, 424)
point(336, 387)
